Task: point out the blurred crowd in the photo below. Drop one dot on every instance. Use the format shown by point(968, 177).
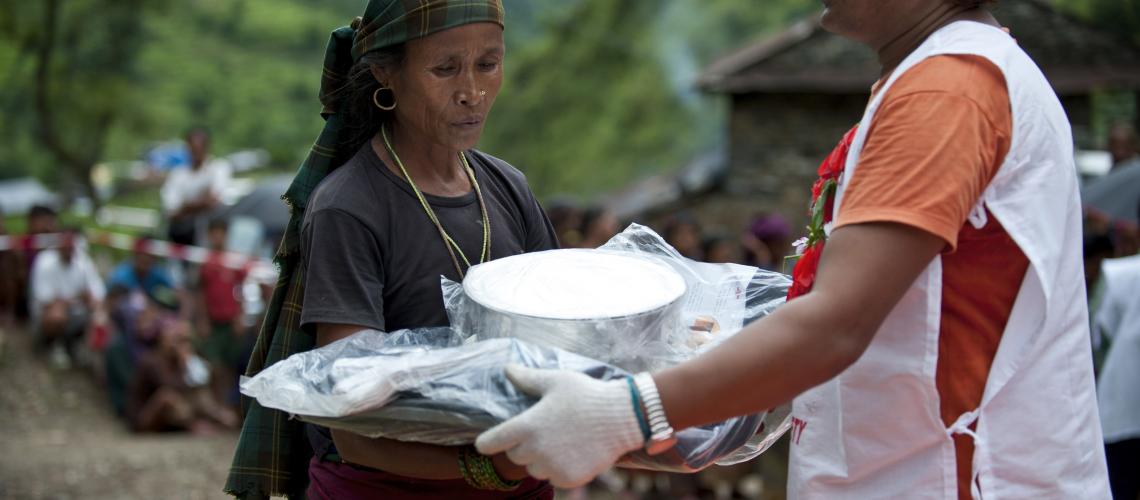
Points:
point(164, 338)
point(764, 243)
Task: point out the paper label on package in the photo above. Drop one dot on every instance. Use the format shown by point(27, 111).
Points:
point(720, 295)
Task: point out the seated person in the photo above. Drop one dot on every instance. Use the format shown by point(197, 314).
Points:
point(168, 391)
point(133, 286)
point(40, 220)
point(139, 318)
point(142, 271)
point(67, 296)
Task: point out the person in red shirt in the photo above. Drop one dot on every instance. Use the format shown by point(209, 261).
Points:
point(224, 341)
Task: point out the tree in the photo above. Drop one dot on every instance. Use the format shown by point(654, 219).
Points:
point(598, 92)
point(82, 56)
point(605, 92)
point(588, 105)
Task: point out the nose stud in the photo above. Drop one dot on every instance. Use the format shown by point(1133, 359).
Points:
point(482, 93)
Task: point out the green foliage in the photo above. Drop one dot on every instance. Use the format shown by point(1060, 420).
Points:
point(586, 105)
point(605, 94)
point(68, 80)
point(598, 92)
point(247, 69)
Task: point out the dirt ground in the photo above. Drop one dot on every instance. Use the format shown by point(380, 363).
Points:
point(61, 440)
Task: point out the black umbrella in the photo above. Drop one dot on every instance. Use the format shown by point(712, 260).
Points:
point(1116, 194)
point(264, 204)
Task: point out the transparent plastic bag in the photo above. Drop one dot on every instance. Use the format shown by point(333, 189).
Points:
point(428, 386)
point(721, 296)
point(776, 422)
point(446, 385)
point(423, 385)
point(732, 294)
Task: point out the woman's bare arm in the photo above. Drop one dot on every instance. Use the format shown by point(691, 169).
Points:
point(416, 460)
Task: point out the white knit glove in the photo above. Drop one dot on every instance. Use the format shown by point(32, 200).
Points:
point(579, 428)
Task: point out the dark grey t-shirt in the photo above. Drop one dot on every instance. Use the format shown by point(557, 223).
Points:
point(372, 256)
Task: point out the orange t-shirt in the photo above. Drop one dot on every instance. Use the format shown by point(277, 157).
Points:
point(937, 140)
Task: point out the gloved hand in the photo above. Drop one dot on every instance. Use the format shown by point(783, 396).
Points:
point(577, 431)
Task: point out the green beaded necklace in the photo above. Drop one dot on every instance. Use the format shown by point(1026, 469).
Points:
point(452, 246)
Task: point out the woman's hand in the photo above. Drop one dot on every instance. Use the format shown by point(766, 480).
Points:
point(417, 460)
point(507, 469)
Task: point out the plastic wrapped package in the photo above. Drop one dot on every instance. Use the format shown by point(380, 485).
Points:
point(446, 385)
point(429, 386)
point(776, 422)
point(421, 385)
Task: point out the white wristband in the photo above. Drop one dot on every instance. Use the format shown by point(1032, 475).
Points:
point(661, 435)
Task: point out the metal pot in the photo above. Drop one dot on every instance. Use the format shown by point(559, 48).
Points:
point(609, 306)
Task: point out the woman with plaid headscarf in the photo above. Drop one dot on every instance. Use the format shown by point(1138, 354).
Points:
point(391, 197)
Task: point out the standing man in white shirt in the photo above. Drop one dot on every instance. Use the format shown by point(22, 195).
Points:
point(190, 194)
point(1117, 325)
point(67, 297)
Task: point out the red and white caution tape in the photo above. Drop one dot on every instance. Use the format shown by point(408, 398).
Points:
point(259, 269)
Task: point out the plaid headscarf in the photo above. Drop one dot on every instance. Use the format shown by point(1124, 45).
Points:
point(272, 455)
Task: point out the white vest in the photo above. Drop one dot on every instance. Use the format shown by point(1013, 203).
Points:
point(875, 431)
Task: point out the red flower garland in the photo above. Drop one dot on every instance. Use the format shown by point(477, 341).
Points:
point(810, 248)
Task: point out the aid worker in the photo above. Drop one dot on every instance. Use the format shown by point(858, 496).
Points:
point(941, 349)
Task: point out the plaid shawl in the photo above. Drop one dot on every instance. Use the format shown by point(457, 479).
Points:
point(273, 452)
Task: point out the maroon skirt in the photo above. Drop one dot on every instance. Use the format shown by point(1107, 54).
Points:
point(336, 481)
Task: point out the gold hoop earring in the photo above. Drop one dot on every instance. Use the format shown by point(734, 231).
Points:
point(376, 99)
